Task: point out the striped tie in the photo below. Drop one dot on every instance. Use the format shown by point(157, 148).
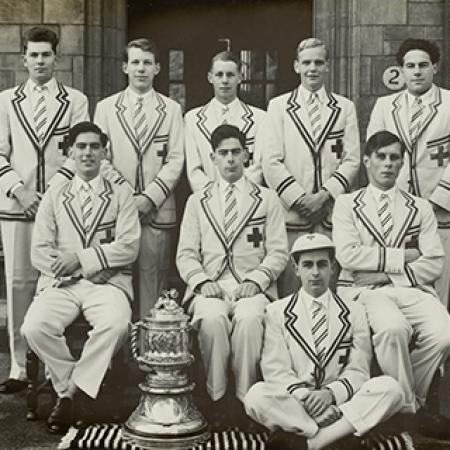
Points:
point(416, 119)
point(225, 111)
point(40, 114)
point(319, 329)
point(386, 218)
point(314, 114)
point(140, 123)
point(86, 205)
point(231, 213)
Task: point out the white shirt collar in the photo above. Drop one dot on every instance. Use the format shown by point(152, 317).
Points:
point(218, 106)
point(94, 183)
point(426, 98)
point(376, 193)
point(238, 185)
point(133, 96)
point(51, 86)
point(306, 94)
point(324, 299)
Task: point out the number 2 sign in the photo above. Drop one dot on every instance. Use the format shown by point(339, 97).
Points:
point(393, 78)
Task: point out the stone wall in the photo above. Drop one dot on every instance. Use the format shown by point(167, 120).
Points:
point(364, 36)
point(92, 34)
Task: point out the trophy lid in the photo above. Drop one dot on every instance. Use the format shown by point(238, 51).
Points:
point(167, 308)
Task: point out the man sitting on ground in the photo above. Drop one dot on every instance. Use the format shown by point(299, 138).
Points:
point(315, 363)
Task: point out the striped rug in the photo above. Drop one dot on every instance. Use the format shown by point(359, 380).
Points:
point(109, 437)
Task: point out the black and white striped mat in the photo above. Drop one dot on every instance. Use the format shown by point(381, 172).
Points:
point(109, 437)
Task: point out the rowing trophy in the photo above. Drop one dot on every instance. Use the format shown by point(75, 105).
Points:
point(166, 417)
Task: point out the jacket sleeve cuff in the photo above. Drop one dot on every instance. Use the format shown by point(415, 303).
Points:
point(262, 276)
point(441, 195)
point(342, 390)
point(157, 191)
point(336, 185)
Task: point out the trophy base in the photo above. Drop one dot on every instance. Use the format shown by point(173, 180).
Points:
point(158, 442)
point(166, 422)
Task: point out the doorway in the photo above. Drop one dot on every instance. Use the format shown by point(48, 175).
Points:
point(264, 33)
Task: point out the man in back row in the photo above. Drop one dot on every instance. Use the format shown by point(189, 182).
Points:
point(34, 118)
point(145, 129)
point(420, 117)
point(310, 149)
point(225, 108)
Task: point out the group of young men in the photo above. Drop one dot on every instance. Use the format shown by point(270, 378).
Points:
point(84, 206)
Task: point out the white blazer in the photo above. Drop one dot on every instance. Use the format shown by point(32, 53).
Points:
point(294, 165)
point(155, 169)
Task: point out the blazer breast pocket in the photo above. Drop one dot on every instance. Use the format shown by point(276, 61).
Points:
point(343, 351)
point(255, 233)
point(106, 232)
point(161, 143)
point(438, 152)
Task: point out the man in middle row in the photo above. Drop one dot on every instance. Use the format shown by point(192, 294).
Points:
point(232, 248)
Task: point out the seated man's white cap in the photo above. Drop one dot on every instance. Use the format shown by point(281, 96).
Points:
point(312, 241)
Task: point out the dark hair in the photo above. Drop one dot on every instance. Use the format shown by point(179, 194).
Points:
point(146, 45)
point(223, 132)
point(382, 139)
point(85, 127)
point(418, 44)
point(331, 254)
point(226, 56)
point(40, 34)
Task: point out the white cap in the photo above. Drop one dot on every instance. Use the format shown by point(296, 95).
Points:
point(312, 241)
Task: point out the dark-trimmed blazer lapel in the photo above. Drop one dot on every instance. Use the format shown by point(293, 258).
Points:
point(57, 107)
point(338, 325)
point(207, 120)
point(299, 327)
point(404, 212)
point(100, 203)
point(366, 210)
point(298, 111)
point(251, 199)
point(401, 117)
point(211, 205)
point(155, 112)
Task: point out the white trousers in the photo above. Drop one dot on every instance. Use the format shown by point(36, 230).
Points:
point(400, 318)
point(153, 267)
point(272, 406)
point(104, 306)
point(21, 278)
point(229, 334)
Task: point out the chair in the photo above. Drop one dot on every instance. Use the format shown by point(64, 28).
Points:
point(75, 334)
